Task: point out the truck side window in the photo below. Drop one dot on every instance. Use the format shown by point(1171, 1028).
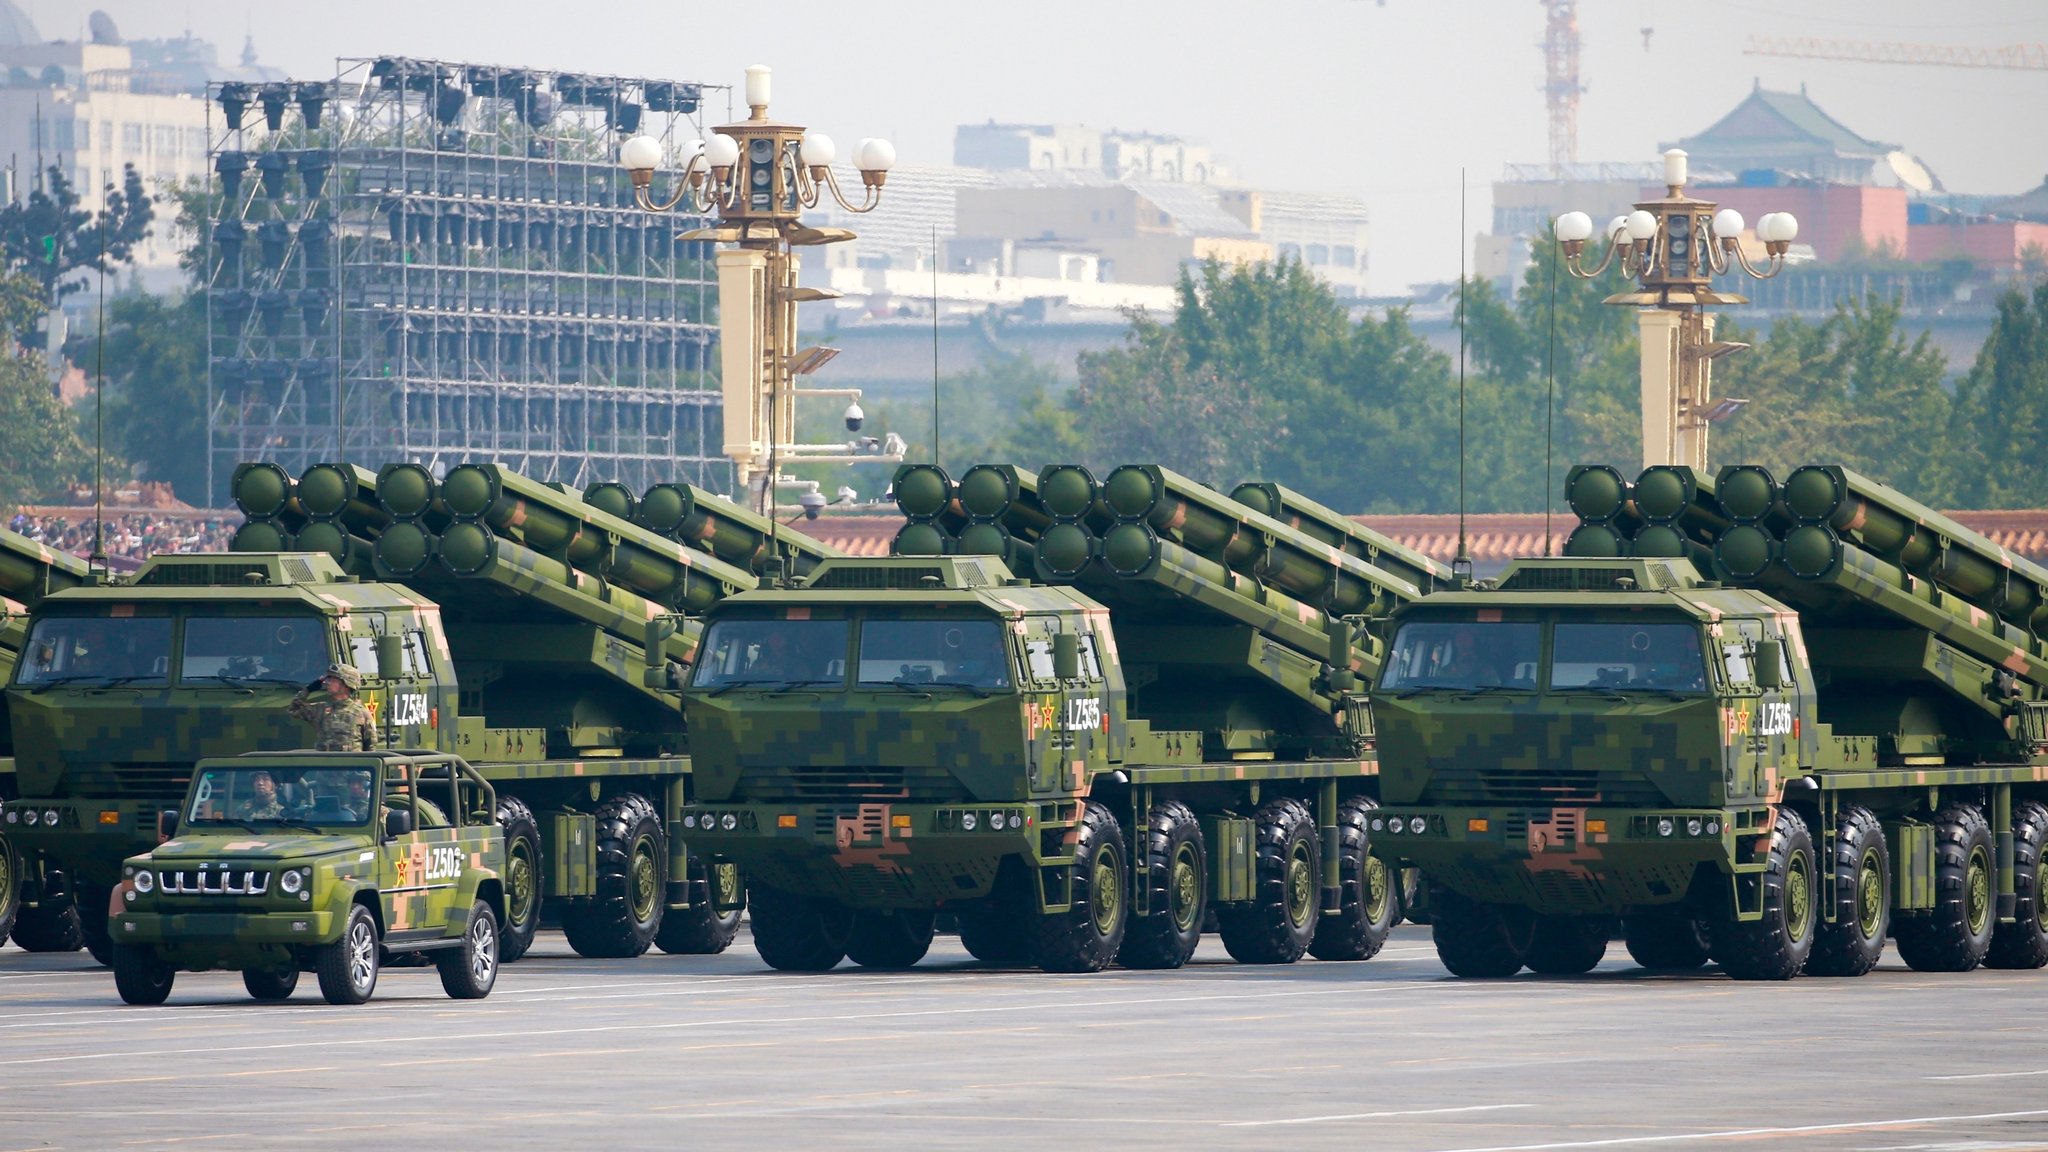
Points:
point(415, 654)
point(1090, 670)
point(1736, 649)
point(1038, 658)
point(362, 652)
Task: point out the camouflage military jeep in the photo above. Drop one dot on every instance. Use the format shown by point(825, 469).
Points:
point(324, 862)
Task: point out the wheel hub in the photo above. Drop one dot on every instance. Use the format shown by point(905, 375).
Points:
point(1301, 886)
point(1105, 891)
point(1977, 891)
point(1185, 889)
point(1870, 896)
point(644, 888)
point(1798, 896)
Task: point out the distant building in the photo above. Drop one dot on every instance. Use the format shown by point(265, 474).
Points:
point(1782, 137)
point(1078, 148)
point(1129, 232)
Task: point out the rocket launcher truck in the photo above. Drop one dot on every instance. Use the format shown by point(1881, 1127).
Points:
point(1077, 715)
point(1768, 724)
point(29, 571)
point(491, 616)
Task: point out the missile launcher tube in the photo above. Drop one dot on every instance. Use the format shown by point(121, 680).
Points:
point(698, 519)
point(30, 570)
point(1340, 531)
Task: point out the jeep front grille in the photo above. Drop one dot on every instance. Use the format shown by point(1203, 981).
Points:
point(215, 882)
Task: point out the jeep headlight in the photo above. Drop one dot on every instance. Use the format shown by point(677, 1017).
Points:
point(145, 881)
point(292, 882)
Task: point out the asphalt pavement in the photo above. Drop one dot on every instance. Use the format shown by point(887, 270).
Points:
point(710, 1052)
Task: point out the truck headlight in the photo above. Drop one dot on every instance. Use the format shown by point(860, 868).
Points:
point(1693, 826)
point(729, 822)
point(50, 817)
point(291, 882)
point(1417, 824)
point(967, 821)
point(145, 881)
point(1665, 826)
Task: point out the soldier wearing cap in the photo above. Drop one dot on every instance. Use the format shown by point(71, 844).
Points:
point(342, 722)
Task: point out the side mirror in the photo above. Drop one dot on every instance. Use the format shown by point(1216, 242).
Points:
point(397, 822)
point(390, 657)
point(1770, 663)
point(166, 825)
point(1066, 656)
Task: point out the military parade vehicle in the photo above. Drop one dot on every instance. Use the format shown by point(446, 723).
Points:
point(283, 863)
point(1771, 724)
point(28, 572)
point(1078, 716)
point(518, 625)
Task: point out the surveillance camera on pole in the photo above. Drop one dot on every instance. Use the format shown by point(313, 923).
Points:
point(812, 504)
point(854, 416)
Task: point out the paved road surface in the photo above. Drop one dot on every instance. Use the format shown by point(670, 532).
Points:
point(719, 1052)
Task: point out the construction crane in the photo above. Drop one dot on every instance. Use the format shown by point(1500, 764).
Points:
point(1561, 87)
point(2018, 57)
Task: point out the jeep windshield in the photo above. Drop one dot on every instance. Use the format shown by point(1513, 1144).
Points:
point(251, 797)
point(1463, 655)
point(772, 653)
point(97, 650)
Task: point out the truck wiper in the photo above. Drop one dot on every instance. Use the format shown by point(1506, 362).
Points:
point(231, 678)
point(767, 685)
point(294, 822)
point(94, 681)
point(978, 690)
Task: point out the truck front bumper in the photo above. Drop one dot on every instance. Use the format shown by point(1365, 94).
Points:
point(880, 855)
point(1567, 861)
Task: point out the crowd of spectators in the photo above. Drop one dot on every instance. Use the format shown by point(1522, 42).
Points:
point(129, 536)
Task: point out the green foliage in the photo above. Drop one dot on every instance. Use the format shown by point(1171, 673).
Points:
point(41, 449)
point(156, 388)
point(2000, 421)
point(48, 236)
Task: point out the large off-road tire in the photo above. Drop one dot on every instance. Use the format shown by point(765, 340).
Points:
point(1568, 945)
point(50, 926)
point(1852, 945)
point(797, 933)
point(1669, 938)
point(621, 920)
point(471, 971)
point(1956, 935)
point(701, 929)
point(1172, 867)
point(524, 884)
point(10, 886)
point(996, 928)
point(1776, 946)
point(2024, 942)
point(1478, 940)
point(889, 938)
point(1086, 936)
point(1371, 901)
point(140, 977)
point(348, 967)
point(270, 984)
point(1277, 923)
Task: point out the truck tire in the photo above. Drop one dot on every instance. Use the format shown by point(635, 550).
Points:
point(2024, 942)
point(889, 938)
point(1276, 925)
point(1568, 945)
point(1414, 897)
point(471, 971)
point(1852, 945)
point(993, 928)
point(50, 926)
point(91, 900)
point(1086, 936)
point(140, 977)
point(10, 886)
point(348, 967)
point(270, 983)
point(1775, 947)
point(1172, 867)
point(1668, 938)
point(1371, 902)
point(798, 933)
point(523, 883)
point(621, 920)
point(1478, 940)
point(701, 929)
point(1956, 935)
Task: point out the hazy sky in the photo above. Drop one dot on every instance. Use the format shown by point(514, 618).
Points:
point(1382, 100)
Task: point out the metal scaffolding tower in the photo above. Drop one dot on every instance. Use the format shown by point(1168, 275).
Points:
point(442, 262)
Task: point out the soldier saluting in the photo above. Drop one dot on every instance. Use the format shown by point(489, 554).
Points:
point(342, 722)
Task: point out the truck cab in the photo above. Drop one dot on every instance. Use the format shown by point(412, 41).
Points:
point(902, 724)
point(1589, 737)
point(120, 688)
point(278, 863)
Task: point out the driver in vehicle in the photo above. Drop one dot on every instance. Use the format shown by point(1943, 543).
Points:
point(264, 804)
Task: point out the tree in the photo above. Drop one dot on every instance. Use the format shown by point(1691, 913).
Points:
point(2000, 421)
point(48, 236)
point(41, 450)
point(155, 359)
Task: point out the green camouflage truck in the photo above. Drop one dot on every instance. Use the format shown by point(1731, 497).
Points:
point(323, 862)
point(28, 572)
point(518, 625)
point(1772, 725)
point(1078, 716)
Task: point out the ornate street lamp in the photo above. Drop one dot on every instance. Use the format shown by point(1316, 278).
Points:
point(757, 177)
point(1673, 248)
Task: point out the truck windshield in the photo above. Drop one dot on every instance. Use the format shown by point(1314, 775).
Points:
point(1639, 657)
point(337, 796)
point(1463, 654)
point(772, 652)
point(272, 649)
point(97, 649)
point(966, 653)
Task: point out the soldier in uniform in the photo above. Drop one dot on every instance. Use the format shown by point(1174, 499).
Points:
point(263, 805)
point(341, 721)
